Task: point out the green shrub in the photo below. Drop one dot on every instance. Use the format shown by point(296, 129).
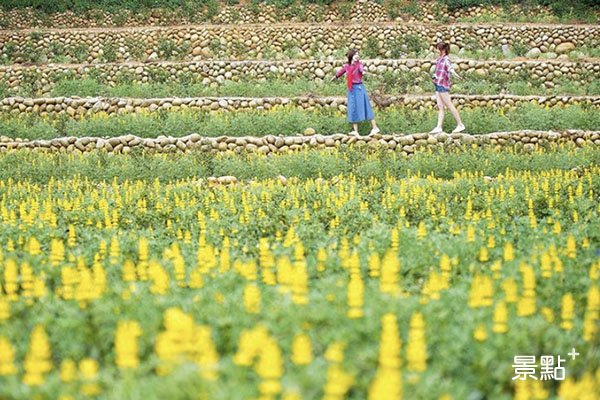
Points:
point(237, 48)
point(10, 49)
point(125, 78)
point(4, 90)
point(520, 48)
point(411, 8)
point(212, 9)
point(31, 82)
point(159, 75)
point(371, 48)
point(291, 121)
point(345, 9)
point(136, 48)
point(35, 35)
point(167, 48)
point(396, 47)
point(81, 51)
point(119, 17)
point(214, 45)
point(413, 44)
point(109, 51)
point(387, 83)
point(57, 49)
point(29, 53)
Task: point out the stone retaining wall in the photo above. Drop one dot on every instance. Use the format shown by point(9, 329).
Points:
point(263, 41)
point(369, 11)
point(215, 72)
point(405, 144)
point(80, 107)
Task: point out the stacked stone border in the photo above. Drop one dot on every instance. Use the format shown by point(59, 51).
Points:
point(198, 42)
point(81, 107)
point(216, 72)
point(267, 13)
point(271, 144)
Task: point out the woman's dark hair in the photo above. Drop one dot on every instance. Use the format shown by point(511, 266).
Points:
point(443, 46)
point(351, 54)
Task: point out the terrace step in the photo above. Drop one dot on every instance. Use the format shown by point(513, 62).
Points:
point(257, 41)
point(291, 24)
point(219, 71)
point(78, 107)
point(271, 144)
point(269, 13)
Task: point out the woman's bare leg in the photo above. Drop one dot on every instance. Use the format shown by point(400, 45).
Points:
point(373, 124)
point(448, 103)
point(440, 104)
point(355, 127)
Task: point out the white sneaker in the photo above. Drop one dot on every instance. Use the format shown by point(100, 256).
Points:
point(459, 129)
point(437, 130)
point(353, 133)
point(374, 131)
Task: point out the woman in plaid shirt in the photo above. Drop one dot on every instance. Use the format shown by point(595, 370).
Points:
point(441, 81)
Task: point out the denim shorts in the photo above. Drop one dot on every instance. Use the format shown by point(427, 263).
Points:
point(440, 89)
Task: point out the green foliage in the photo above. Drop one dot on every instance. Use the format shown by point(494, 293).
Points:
point(577, 10)
point(57, 48)
point(211, 8)
point(290, 45)
point(214, 45)
point(10, 50)
point(441, 164)
point(30, 53)
point(520, 48)
point(109, 51)
point(136, 48)
point(345, 9)
point(371, 47)
point(237, 48)
point(4, 91)
point(80, 6)
point(291, 121)
point(119, 17)
point(411, 7)
point(159, 75)
point(395, 82)
point(35, 35)
point(164, 84)
point(169, 49)
point(413, 44)
point(81, 51)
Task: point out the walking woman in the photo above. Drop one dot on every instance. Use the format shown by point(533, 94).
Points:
point(359, 108)
point(441, 81)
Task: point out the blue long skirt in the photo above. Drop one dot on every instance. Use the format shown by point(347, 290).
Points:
point(359, 107)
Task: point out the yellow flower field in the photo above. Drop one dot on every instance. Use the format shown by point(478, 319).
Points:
point(394, 283)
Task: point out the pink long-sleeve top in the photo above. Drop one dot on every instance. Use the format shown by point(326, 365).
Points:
point(357, 72)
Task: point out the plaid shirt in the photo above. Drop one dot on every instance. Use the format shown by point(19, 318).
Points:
point(443, 68)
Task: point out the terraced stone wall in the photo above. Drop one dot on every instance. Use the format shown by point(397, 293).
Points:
point(404, 144)
point(369, 11)
point(81, 107)
point(250, 41)
point(216, 72)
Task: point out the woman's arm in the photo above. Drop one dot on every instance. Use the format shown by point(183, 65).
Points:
point(452, 71)
point(341, 72)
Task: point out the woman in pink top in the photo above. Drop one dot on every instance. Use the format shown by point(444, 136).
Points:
point(359, 107)
point(441, 81)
